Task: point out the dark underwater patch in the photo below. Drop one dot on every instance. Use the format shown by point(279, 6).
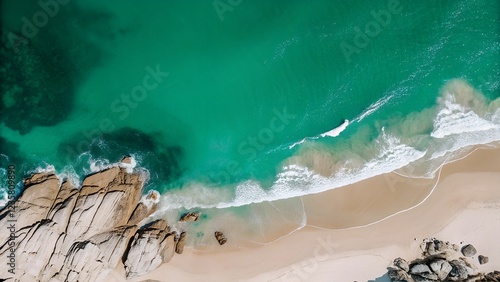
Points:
point(9, 153)
point(11, 160)
point(36, 90)
point(163, 161)
point(40, 75)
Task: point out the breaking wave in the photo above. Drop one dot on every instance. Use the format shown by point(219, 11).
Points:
point(415, 146)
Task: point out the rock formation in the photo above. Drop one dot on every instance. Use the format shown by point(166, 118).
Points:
point(441, 262)
point(68, 234)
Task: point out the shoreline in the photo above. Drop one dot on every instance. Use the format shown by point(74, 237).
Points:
point(343, 237)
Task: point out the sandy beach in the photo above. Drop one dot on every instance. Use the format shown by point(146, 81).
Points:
point(355, 232)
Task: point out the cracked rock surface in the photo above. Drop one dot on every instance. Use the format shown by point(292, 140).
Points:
point(69, 234)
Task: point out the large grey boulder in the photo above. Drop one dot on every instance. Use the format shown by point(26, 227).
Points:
point(420, 269)
point(396, 274)
point(460, 271)
point(402, 264)
point(441, 268)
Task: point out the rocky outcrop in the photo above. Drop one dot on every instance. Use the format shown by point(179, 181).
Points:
point(441, 268)
point(491, 277)
point(190, 216)
point(68, 234)
point(440, 261)
point(431, 247)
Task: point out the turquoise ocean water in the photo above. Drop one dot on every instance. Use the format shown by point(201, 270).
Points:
point(231, 104)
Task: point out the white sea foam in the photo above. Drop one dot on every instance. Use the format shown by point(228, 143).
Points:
point(465, 118)
point(293, 180)
point(151, 198)
point(461, 118)
point(129, 166)
point(296, 180)
point(297, 143)
point(374, 107)
point(331, 133)
point(336, 131)
point(454, 118)
point(69, 174)
point(48, 168)
point(196, 195)
point(102, 164)
point(3, 199)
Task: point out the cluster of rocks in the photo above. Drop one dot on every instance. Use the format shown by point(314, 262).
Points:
point(68, 234)
point(194, 216)
point(441, 261)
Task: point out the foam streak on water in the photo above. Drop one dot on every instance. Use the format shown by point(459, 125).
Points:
point(332, 133)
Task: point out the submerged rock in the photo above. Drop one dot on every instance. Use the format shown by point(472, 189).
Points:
point(66, 234)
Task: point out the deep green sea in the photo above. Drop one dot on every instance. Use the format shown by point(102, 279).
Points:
point(230, 103)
